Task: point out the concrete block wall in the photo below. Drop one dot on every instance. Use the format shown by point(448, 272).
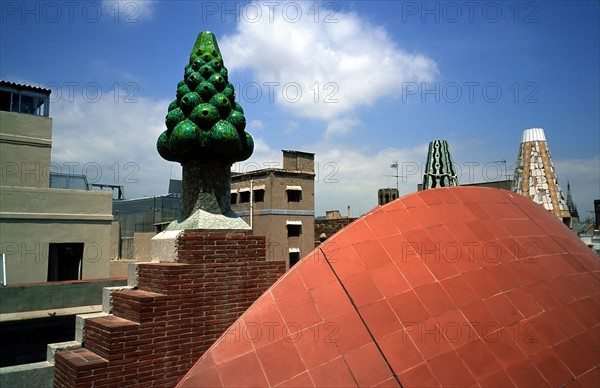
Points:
point(157, 331)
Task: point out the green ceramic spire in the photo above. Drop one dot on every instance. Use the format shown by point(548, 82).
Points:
point(205, 123)
point(439, 169)
point(206, 134)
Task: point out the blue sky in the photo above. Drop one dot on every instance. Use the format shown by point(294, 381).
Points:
point(359, 83)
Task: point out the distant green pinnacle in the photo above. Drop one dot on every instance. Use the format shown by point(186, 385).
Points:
point(204, 123)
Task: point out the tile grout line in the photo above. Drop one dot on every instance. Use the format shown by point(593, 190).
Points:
point(362, 320)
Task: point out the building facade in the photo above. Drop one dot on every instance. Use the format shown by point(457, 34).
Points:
point(46, 234)
point(279, 203)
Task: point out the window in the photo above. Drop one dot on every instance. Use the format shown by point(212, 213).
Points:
point(234, 198)
point(244, 196)
point(259, 195)
point(294, 193)
point(294, 228)
point(65, 261)
point(24, 102)
point(293, 256)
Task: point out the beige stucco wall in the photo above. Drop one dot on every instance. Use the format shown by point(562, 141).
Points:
point(25, 145)
point(32, 218)
point(273, 226)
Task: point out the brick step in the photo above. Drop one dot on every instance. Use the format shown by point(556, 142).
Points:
point(142, 306)
point(73, 367)
point(108, 336)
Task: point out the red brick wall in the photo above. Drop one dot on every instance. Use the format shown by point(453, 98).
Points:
point(158, 331)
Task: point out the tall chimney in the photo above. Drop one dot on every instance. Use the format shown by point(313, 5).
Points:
point(535, 176)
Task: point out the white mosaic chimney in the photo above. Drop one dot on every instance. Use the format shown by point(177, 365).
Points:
point(535, 176)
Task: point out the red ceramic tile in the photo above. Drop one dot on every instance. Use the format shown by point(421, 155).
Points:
point(420, 376)
point(504, 348)
point(566, 319)
point(314, 271)
point(317, 344)
point(570, 354)
point(590, 378)
point(397, 248)
point(299, 312)
point(208, 378)
point(380, 318)
point(400, 351)
point(333, 374)
point(408, 308)
point(368, 366)
point(505, 210)
point(524, 302)
point(460, 291)
point(452, 213)
point(263, 325)
point(502, 277)
point(381, 225)
point(543, 298)
point(424, 216)
point(389, 280)
point(518, 249)
point(372, 254)
point(233, 343)
point(521, 227)
point(590, 263)
point(433, 196)
point(455, 327)
point(435, 299)
point(389, 383)
point(482, 232)
point(478, 358)
point(581, 285)
point(553, 370)
point(418, 238)
point(362, 289)
point(482, 284)
point(280, 361)
point(527, 335)
point(588, 343)
point(289, 284)
point(547, 245)
point(411, 201)
point(443, 266)
point(349, 332)
point(558, 288)
point(244, 371)
point(482, 320)
point(548, 329)
point(300, 381)
point(525, 374)
point(402, 220)
point(503, 310)
point(357, 232)
point(586, 312)
point(331, 300)
point(346, 263)
point(416, 272)
point(499, 380)
point(450, 371)
point(428, 338)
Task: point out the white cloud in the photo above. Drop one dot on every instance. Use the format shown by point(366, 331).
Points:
point(322, 70)
point(130, 11)
point(341, 127)
point(350, 176)
point(255, 124)
point(112, 142)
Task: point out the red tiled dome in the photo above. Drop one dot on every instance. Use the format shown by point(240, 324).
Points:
point(453, 286)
